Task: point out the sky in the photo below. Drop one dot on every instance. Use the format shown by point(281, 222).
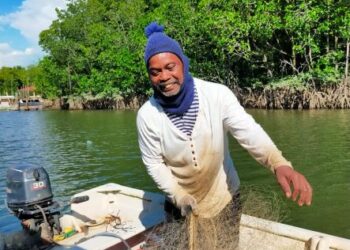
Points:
point(21, 22)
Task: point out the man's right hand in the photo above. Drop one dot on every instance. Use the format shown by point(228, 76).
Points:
point(288, 178)
point(188, 204)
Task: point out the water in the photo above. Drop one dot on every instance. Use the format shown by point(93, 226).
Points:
point(83, 149)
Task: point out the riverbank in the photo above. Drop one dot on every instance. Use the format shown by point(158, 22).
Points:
point(93, 103)
point(269, 97)
point(296, 97)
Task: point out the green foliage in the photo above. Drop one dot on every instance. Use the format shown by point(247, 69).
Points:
point(325, 70)
point(95, 47)
point(11, 79)
point(99, 46)
point(296, 82)
point(53, 78)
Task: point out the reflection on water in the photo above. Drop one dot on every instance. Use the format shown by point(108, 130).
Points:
point(83, 149)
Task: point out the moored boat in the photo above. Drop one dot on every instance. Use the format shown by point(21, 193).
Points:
point(30, 103)
point(28, 99)
point(8, 102)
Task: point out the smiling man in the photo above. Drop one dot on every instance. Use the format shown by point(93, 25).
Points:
point(166, 73)
point(183, 140)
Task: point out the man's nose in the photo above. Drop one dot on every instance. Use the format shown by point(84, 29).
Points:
point(165, 76)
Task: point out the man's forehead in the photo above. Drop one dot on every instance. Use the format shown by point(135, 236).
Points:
point(164, 58)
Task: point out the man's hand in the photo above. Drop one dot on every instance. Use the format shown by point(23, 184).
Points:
point(188, 204)
point(288, 177)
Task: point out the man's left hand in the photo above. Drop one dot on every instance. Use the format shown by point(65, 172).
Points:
point(288, 178)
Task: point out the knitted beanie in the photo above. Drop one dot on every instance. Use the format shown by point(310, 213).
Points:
point(159, 42)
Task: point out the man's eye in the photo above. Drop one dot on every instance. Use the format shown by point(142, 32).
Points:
point(171, 66)
point(154, 72)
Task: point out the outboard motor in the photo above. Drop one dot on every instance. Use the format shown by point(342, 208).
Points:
point(30, 199)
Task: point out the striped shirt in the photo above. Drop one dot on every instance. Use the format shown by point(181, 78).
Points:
point(185, 122)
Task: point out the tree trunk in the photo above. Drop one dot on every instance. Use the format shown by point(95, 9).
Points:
point(69, 79)
point(310, 53)
point(335, 49)
point(294, 60)
point(347, 61)
point(327, 38)
point(310, 58)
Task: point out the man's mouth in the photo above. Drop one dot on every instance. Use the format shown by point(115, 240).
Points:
point(165, 87)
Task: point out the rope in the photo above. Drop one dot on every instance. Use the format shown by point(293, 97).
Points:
point(192, 232)
point(214, 232)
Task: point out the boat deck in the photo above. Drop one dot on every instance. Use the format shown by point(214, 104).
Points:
point(119, 217)
point(112, 215)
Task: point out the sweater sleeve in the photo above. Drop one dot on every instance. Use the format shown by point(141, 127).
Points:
point(150, 147)
point(249, 134)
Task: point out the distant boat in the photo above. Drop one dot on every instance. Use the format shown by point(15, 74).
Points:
point(30, 103)
point(28, 100)
point(8, 102)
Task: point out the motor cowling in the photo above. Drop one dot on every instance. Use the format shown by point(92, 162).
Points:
point(27, 185)
point(30, 199)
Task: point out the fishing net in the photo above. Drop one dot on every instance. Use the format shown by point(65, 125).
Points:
point(264, 202)
point(220, 232)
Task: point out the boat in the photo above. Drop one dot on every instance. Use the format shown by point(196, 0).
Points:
point(30, 103)
point(8, 102)
point(119, 217)
point(28, 100)
point(113, 216)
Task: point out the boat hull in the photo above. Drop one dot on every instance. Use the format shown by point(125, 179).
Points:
point(139, 211)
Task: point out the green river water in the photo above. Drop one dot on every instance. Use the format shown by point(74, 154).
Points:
point(83, 149)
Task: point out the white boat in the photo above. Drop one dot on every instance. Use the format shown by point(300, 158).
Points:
point(119, 217)
point(8, 102)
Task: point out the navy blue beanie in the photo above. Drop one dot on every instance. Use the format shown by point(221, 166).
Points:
point(159, 42)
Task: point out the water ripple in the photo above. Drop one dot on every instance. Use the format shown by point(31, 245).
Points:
point(83, 149)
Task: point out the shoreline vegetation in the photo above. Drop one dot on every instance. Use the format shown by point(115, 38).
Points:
point(273, 54)
point(325, 97)
point(302, 98)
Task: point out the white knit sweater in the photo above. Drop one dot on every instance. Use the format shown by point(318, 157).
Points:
point(201, 165)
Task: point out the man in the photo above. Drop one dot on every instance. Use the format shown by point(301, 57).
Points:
point(183, 131)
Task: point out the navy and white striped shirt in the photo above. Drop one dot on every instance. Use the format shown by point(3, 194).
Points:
point(186, 121)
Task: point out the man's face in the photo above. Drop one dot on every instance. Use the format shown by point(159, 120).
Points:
point(166, 73)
